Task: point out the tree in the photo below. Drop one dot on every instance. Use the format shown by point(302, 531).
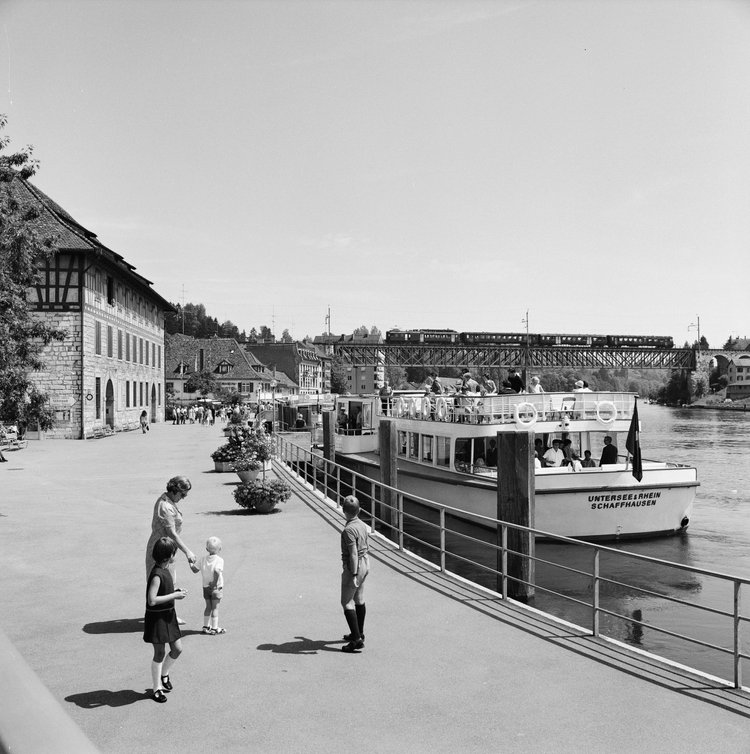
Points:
point(201, 382)
point(22, 336)
point(338, 376)
point(286, 337)
point(730, 343)
point(265, 333)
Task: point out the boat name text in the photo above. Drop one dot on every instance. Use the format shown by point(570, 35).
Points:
point(631, 500)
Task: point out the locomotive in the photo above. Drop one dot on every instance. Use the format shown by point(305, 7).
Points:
point(537, 340)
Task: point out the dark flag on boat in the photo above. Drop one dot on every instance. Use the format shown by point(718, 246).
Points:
point(633, 444)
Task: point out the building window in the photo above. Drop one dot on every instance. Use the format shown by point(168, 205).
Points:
point(146, 353)
point(109, 341)
point(98, 396)
point(159, 351)
point(140, 351)
point(153, 354)
point(135, 403)
point(110, 291)
point(127, 393)
point(140, 391)
point(119, 345)
point(169, 387)
point(146, 393)
point(98, 338)
point(127, 347)
point(158, 392)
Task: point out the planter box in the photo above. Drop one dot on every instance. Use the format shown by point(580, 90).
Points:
point(251, 476)
point(222, 466)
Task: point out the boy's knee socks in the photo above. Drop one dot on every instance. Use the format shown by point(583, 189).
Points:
point(361, 611)
point(353, 623)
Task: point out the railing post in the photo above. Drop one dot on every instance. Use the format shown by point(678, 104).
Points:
point(595, 599)
point(338, 485)
point(737, 638)
point(325, 478)
point(372, 506)
point(504, 561)
point(400, 504)
point(442, 539)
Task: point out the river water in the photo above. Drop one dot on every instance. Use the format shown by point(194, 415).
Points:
point(717, 443)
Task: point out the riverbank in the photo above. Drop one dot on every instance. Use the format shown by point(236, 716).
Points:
point(445, 668)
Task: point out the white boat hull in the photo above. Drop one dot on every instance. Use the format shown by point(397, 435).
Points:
point(595, 504)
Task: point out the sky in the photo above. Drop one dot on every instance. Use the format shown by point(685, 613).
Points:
point(443, 164)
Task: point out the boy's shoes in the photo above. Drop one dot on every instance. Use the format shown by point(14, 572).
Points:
point(160, 696)
point(348, 637)
point(207, 630)
point(218, 630)
point(213, 631)
point(353, 646)
point(166, 683)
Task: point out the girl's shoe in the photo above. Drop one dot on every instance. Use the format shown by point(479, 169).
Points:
point(160, 696)
point(219, 630)
point(348, 637)
point(207, 630)
point(165, 683)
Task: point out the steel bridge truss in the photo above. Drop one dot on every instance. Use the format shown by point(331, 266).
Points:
point(481, 357)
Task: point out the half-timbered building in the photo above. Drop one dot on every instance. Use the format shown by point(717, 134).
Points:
point(110, 366)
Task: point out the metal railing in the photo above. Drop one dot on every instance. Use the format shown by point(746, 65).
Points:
point(385, 508)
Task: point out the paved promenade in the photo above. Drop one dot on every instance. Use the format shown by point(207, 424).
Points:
point(445, 667)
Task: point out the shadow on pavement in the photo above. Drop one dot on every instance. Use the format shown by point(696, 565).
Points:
point(117, 626)
point(302, 646)
point(107, 698)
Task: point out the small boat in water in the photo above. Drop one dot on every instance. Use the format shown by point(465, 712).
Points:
point(446, 452)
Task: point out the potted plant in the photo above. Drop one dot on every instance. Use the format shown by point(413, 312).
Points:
point(247, 467)
point(262, 496)
point(224, 457)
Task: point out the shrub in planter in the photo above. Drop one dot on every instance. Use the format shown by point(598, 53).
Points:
point(262, 496)
point(226, 453)
point(247, 463)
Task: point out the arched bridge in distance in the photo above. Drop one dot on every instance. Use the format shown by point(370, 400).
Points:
point(485, 356)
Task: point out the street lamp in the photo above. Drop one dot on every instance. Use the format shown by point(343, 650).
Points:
point(273, 404)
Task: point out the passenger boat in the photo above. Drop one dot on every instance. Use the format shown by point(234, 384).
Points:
point(444, 443)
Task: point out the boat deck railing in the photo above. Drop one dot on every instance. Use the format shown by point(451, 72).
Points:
point(523, 409)
point(419, 525)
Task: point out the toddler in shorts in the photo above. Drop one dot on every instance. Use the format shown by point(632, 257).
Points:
point(211, 567)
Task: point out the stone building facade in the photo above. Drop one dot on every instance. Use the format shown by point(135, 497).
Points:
point(110, 365)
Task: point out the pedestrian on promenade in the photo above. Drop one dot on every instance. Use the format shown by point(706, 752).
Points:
point(160, 624)
point(166, 521)
point(355, 567)
point(144, 422)
point(211, 568)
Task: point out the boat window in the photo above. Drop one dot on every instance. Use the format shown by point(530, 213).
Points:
point(443, 451)
point(462, 454)
point(413, 445)
point(427, 448)
point(401, 443)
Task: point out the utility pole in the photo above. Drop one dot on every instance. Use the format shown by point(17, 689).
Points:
point(526, 350)
point(183, 308)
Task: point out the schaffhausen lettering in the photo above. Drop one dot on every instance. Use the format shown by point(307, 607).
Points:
point(624, 500)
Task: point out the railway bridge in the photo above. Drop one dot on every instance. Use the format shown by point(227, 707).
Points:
point(533, 357)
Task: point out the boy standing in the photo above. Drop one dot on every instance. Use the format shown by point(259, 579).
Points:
point(355, 567)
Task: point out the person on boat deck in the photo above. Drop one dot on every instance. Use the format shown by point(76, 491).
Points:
point(342, 419)
point(554, 456)
point(436, 386)
point(386, 393)
point(468, 382)
point(536, 386)
point(492, 453)
point(588, 462)
point(581, 387)
point(609, 452)
point(575, 462)
point(539, 450)
point(514, 378)
point(567, 449)
point(489, 384)
point(537, 462)
point(506, 388)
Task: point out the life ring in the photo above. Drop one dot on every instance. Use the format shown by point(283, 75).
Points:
point(529, 422)
point(441, 409)
point(426, 407)
point(400, 407)
point(610, 407)
point(413, 408)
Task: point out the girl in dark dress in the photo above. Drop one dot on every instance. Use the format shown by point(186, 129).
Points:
point(160, 625)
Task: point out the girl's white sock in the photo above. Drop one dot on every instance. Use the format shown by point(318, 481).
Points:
point(156, 674)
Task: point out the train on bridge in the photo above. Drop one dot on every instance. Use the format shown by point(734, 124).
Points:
point(535, 340)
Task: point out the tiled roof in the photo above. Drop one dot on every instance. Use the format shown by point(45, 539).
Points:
point(183, 349)
point(68, 234)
